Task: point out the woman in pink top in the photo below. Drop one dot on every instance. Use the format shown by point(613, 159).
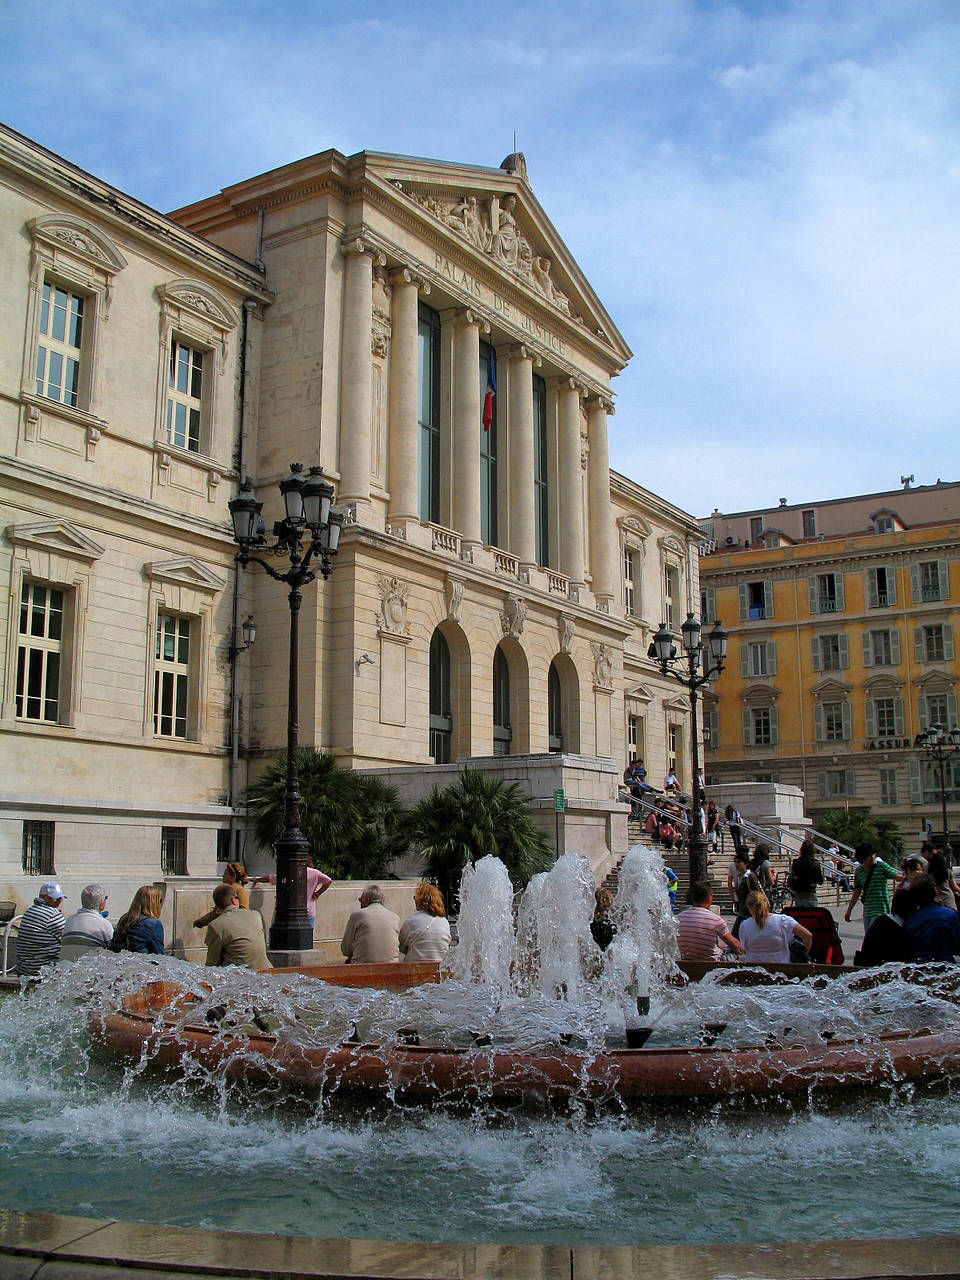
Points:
point(317, 883)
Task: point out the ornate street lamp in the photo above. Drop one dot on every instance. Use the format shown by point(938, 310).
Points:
point(941, 745)
point(699, 664)
point(308, 537)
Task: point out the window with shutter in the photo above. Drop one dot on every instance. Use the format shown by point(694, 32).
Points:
point(771, 657)
point(867, 643)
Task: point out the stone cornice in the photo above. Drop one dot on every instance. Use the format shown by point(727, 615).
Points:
point(87, 196)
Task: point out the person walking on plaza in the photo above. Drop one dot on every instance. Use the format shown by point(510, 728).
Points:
point(372, 933)
point(805, 874)
point(870, 883)
point(700, 931)
point(235, 934)
point(746, 882)
point(87, 928)
point(40, 935)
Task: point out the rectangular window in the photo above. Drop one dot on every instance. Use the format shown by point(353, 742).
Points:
point(674, 748)
point(930, 585)
point(756, 528)
point(888, 786)
point(37, 859)
point(886, 717)
point(541, 488)
point(933, 647)
point(930, 781)
point(171, 687)
point(830, 653)
point(184, 396)
point(39, 650)
point(837, 783)
point(708, 605)
point(762, 727)
point(827, 595)
point(833, 721)
point(757, 598)
point(630, 601)
point(881, 591)
point(60, 345)
point(882, 648)
point(488, 456)
point(938, 709)
point(671, 595)
point(635, 737)
point(173, 851)
point(428, 412)
point(809, 524)
point(884, 524)
point(757, 664)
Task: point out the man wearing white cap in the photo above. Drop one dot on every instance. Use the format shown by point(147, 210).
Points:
point(41, 931)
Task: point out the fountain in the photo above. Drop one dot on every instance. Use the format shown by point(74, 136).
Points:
point(80, 1125)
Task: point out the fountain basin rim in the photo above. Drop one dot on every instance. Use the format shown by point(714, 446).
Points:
point(138, 1030)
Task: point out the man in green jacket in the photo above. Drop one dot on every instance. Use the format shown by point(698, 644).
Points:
point(870, 883)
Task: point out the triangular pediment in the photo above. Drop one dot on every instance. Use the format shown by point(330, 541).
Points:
point(184, 571)
point(58, 536)
point(493, 217)
point(640, 693)
point(831, 687)
point(676, 704)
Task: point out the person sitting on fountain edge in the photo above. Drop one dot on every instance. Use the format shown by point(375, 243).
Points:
point(235, 934)
point(933, 930)
point(700, 930)
point(371, 935)
point(426, 934)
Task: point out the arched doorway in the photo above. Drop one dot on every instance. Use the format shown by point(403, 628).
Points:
point(554, 709)
point(502, 727)
point(441, 706)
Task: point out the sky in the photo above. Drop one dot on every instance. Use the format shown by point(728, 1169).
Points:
point(765, 196)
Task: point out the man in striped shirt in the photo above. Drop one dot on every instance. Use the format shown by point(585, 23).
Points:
point(700, 930)
point(870, 883)
point(40, 935)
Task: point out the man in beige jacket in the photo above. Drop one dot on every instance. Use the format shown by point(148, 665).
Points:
point(235, 936)
point(371, 933)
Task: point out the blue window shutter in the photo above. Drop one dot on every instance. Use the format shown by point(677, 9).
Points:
point(898, 717)
point(812, 594)
point(822, 783)
point(846, 716)
point(916, 789)
point(943, 576)
point(744, 661)
point(771, 657)
point(922, 723)
point(895, 647)
point(843, 645)
point(915, 588)
point(873, 595)
point(774, 726)
point(767, 599)
point(747, 727)
point(918, 649)
point(841, 598)
point(948, 644)
point(743, 597)
point(870, 718)
point(816, 661)
point(867, 649)
point(818, 721)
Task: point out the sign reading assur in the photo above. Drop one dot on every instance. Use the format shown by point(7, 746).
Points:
point(470, 284)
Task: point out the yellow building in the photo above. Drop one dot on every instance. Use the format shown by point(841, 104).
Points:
point(841, 618)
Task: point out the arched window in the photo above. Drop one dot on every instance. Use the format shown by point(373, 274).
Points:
point(441, 721)
point(502, 733)
point(554, 709)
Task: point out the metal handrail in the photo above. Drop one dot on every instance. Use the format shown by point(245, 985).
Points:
point(6, 938)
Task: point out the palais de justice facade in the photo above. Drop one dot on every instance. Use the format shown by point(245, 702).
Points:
point(420, 331)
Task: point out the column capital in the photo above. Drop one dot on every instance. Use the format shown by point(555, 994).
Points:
point(520, 351)
point(355, 248)
point(406, 275)
point(467, 316)
point(595, 400)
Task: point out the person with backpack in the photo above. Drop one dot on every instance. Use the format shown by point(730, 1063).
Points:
point(805, 874)
point(870, 882)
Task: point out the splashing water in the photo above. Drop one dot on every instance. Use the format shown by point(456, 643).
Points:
point(80, 1125)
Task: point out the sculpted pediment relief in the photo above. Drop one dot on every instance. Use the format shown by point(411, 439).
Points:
point(55, 535)
point(205, 303)
point(185, 571)
point(79, 238)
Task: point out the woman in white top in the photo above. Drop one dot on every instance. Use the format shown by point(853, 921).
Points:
point(766, 938)
point(426, 934)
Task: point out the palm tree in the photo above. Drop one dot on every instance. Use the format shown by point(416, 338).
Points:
point(470, 818)
point(855, 826)
point(350, 819)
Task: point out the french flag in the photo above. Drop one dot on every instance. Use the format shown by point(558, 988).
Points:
point(491, 390)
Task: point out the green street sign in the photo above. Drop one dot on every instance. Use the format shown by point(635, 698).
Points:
point(559, 802)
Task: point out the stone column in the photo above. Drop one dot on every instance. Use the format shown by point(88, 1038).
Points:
point(571, 483)
point(603, 566)
point(467, 425)
point(404, 403)
point(355, 373)
point(522, 515)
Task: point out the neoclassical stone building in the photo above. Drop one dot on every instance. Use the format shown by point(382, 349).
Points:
point(418, 329)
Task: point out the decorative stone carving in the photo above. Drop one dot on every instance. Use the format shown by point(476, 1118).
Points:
point(566, 627)
point(380, 333)
point(490, 225)
point(602, 665)
point(392, 618)
point(78, 241)
point(514, 616)
point(454, 589)
point(516, 163)
point(359, 246)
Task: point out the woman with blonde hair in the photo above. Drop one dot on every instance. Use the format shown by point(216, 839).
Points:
point(426, 934)
point(139, 929)
point(766, 936)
